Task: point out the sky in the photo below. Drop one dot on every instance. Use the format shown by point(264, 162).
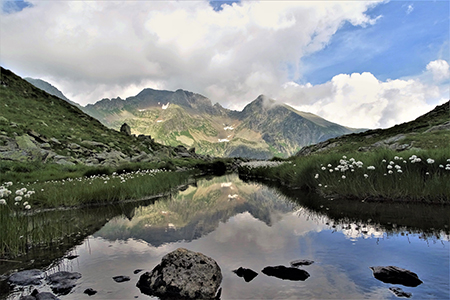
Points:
point(360, 64)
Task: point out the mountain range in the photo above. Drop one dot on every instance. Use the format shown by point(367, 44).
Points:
point(263, 129)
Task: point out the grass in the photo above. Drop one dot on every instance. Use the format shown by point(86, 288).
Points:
point(27, 188)
point(380, 175)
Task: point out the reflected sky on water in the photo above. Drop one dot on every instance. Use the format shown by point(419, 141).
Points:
point(253, 226)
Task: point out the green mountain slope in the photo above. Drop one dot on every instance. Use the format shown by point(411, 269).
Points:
point(429, 131)
point(181, 117)
point(35, 125)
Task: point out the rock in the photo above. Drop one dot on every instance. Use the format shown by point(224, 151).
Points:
point(90, 291)
point(27, 277)
point(301, 262)
point(445, 126)
point(63, 282)
point(125, 129)
point(396, 275)
point(247, 274)
point(25, 142)
point(137, 271)
point(182, 274)
point(93, 144)
point(46, 296)
point(121, 278)
point(288, 273)
point(399, 292)
point(55, 141)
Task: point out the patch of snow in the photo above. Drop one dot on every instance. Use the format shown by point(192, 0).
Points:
point(165, 106)
point(233, 196)
point(223, 140)
point(142, 109)
point(228, 128)
point(159, 121)
point(226, 184)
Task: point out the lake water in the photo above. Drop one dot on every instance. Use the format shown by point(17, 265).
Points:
point(253, 226)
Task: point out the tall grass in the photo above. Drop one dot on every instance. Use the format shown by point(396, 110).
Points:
point(381, 175)
point(20, 230)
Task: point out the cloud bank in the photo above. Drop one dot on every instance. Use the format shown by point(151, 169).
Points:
point(96, 49)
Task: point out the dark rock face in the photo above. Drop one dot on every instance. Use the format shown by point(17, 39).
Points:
point(247, 274)
point(287, 273)
point(63, 282)
point(27, 277)
point(121, 278)
point(396, 275)
point(301, 262)
point(400, 293)
point(125, 128)
point(182, 274)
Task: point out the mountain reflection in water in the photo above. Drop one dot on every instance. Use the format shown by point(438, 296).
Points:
point(253, 226)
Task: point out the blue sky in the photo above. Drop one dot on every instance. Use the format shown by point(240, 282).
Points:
point(357, 63)
point(407, 36)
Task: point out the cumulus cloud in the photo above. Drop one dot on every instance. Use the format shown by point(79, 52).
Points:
point(440, 69)
point(363, 101)
point(96, 49)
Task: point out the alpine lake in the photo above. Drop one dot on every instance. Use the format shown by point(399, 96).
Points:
point(249, 225)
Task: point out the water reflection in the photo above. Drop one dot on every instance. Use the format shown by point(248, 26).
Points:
point(252, 226)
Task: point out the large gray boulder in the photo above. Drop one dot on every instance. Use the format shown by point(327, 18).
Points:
point(182, 274)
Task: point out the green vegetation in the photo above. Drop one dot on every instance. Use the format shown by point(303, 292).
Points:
point(373, 176)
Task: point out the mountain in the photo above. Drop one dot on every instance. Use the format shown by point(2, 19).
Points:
point(429, 131)
point(47, 87)
point(35, 125)
point(263, 129)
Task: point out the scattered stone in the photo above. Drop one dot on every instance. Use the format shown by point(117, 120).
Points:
point(182, 274)
point(70, 257)
point(301, 262)
point(396, 275)
point(137, 271)
point(247, 274)
point(125, 129)
point(121, 278)
point(90, 291)
point(63, 282)
point(400, 293)
point(27, 277)
point(288, 273)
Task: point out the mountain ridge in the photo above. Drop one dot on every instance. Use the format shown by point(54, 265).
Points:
point(263, 129)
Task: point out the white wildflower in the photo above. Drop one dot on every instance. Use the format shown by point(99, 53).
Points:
point(389, 167)
point(323, 168)
point(343, 177)
point(27, 207)
point(399, 171)
point(365, 175)
point(18, 198)
point(430, 161)
point(370, 168)
point(2, 202)
point(390, 172)
point(317, 176)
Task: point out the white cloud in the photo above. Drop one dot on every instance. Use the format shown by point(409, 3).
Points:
point(97, 49)
point(363, 101)
point(409, 9)
point(440, 69)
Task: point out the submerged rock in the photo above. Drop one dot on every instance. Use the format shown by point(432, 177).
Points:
point(396, 275)
point(63, 282)
point(288, 273)
point(27, 277)
point(182, 274)
point(90, 291)
point(301, 262)
point(400, 293)
point(247, 274)
point(35, 295)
